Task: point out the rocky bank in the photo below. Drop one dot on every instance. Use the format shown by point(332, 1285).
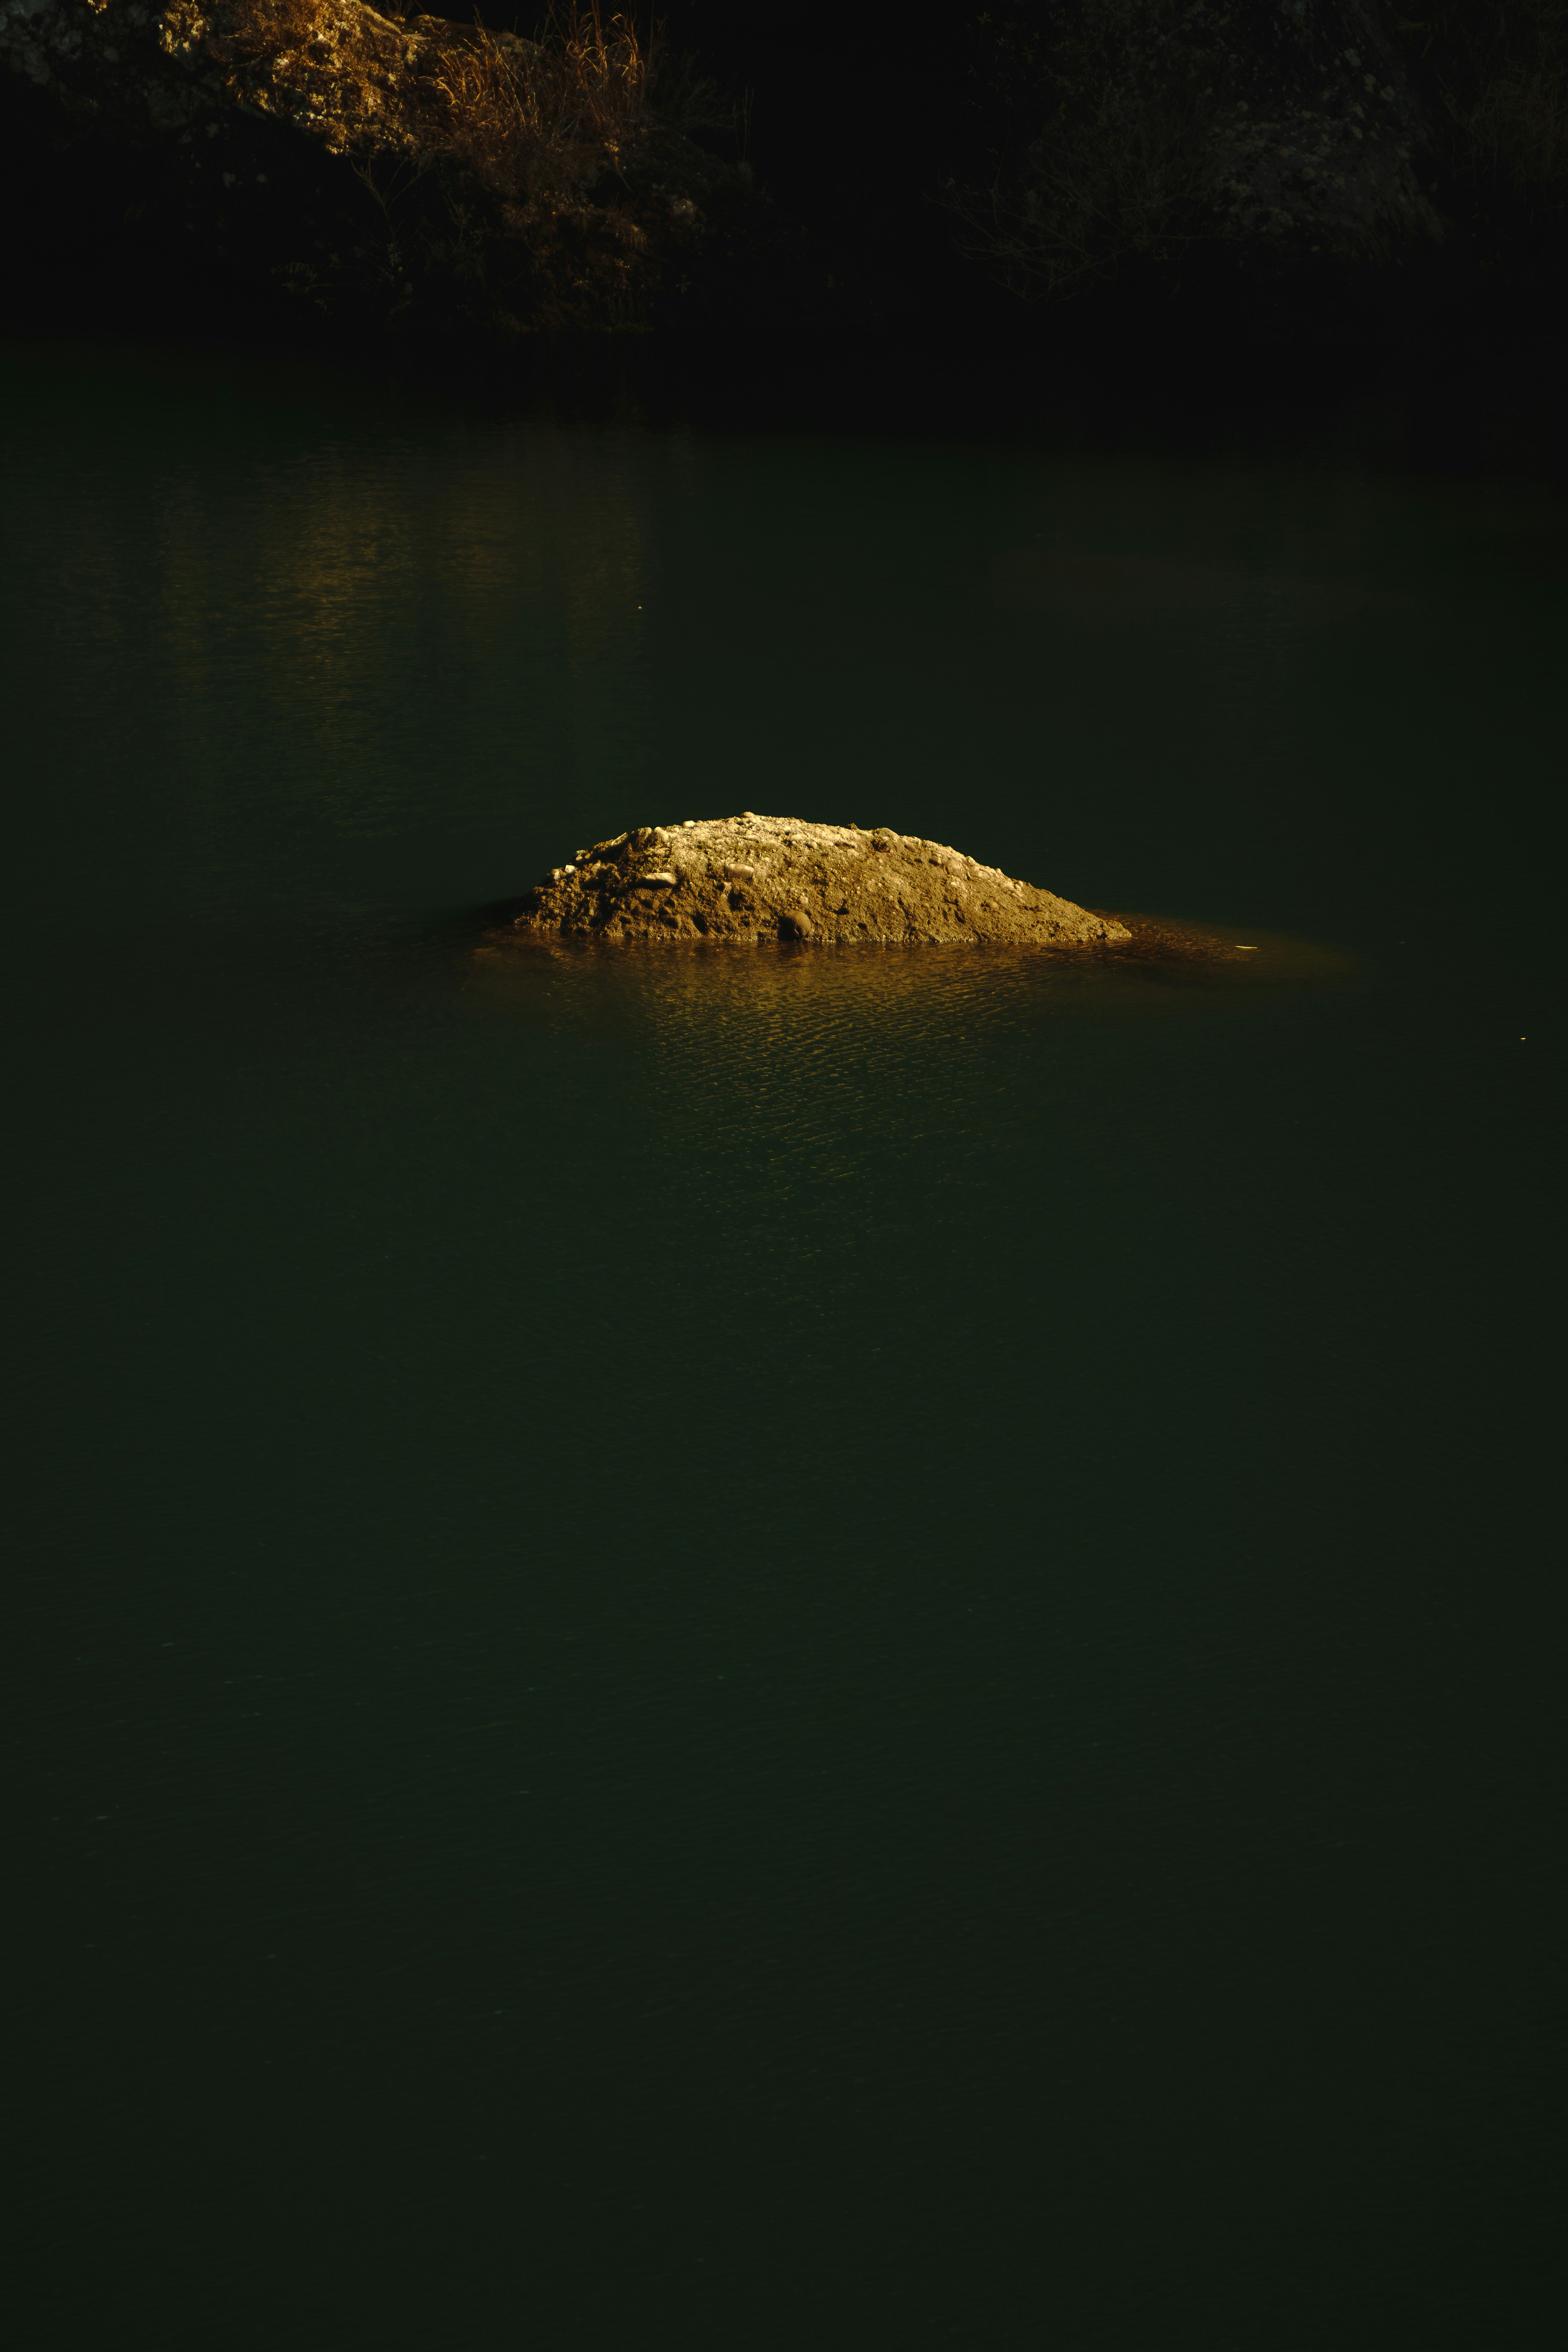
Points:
point(752, 879)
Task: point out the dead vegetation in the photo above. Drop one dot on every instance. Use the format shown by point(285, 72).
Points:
point(1135, 177)
point(1160, 126)
point(1125, 133)
point(525, 117)
point(517, 185)
point(579, 180)
point(1504, 87)
point(1518, 128)
point(529, 116)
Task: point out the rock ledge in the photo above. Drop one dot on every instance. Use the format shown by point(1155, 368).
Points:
point(752, 880)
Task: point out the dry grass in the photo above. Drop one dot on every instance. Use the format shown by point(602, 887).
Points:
point(1501, 77)
point(525, 117)
point(528, 118)
point(1128, 183)
point(1519, 130)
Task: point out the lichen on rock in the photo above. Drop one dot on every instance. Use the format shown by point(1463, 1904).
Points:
point(751, 880)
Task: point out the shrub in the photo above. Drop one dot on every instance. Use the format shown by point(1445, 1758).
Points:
point(1161, 126)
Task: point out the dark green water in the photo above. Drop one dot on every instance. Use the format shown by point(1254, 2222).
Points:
point(789, 1649)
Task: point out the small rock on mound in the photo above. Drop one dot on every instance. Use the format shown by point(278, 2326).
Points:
point(755, 878)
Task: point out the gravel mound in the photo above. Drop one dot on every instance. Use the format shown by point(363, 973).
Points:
point(756, 879)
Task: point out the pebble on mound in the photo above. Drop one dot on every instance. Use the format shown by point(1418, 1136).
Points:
point(751, 879)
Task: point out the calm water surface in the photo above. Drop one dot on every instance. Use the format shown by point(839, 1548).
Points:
point(777, 1650)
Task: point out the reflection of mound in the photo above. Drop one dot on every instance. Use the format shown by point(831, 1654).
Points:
point(748, 1005)
point(756, 880)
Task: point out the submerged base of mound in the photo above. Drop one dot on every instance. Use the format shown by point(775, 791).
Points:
point(752, 879)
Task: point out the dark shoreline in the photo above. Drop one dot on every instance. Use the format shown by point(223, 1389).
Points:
point(1497, 416)
point(668, 278)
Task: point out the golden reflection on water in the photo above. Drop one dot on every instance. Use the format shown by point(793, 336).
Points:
point(764, 1079)
point(746, 998)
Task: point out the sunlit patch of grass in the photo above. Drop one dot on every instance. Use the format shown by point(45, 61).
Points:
point(526, 116)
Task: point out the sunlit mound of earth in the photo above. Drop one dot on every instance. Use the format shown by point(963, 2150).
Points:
point(766, 881)
point(784, 882)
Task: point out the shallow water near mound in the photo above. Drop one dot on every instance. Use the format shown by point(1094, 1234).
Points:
point(787, 1646)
